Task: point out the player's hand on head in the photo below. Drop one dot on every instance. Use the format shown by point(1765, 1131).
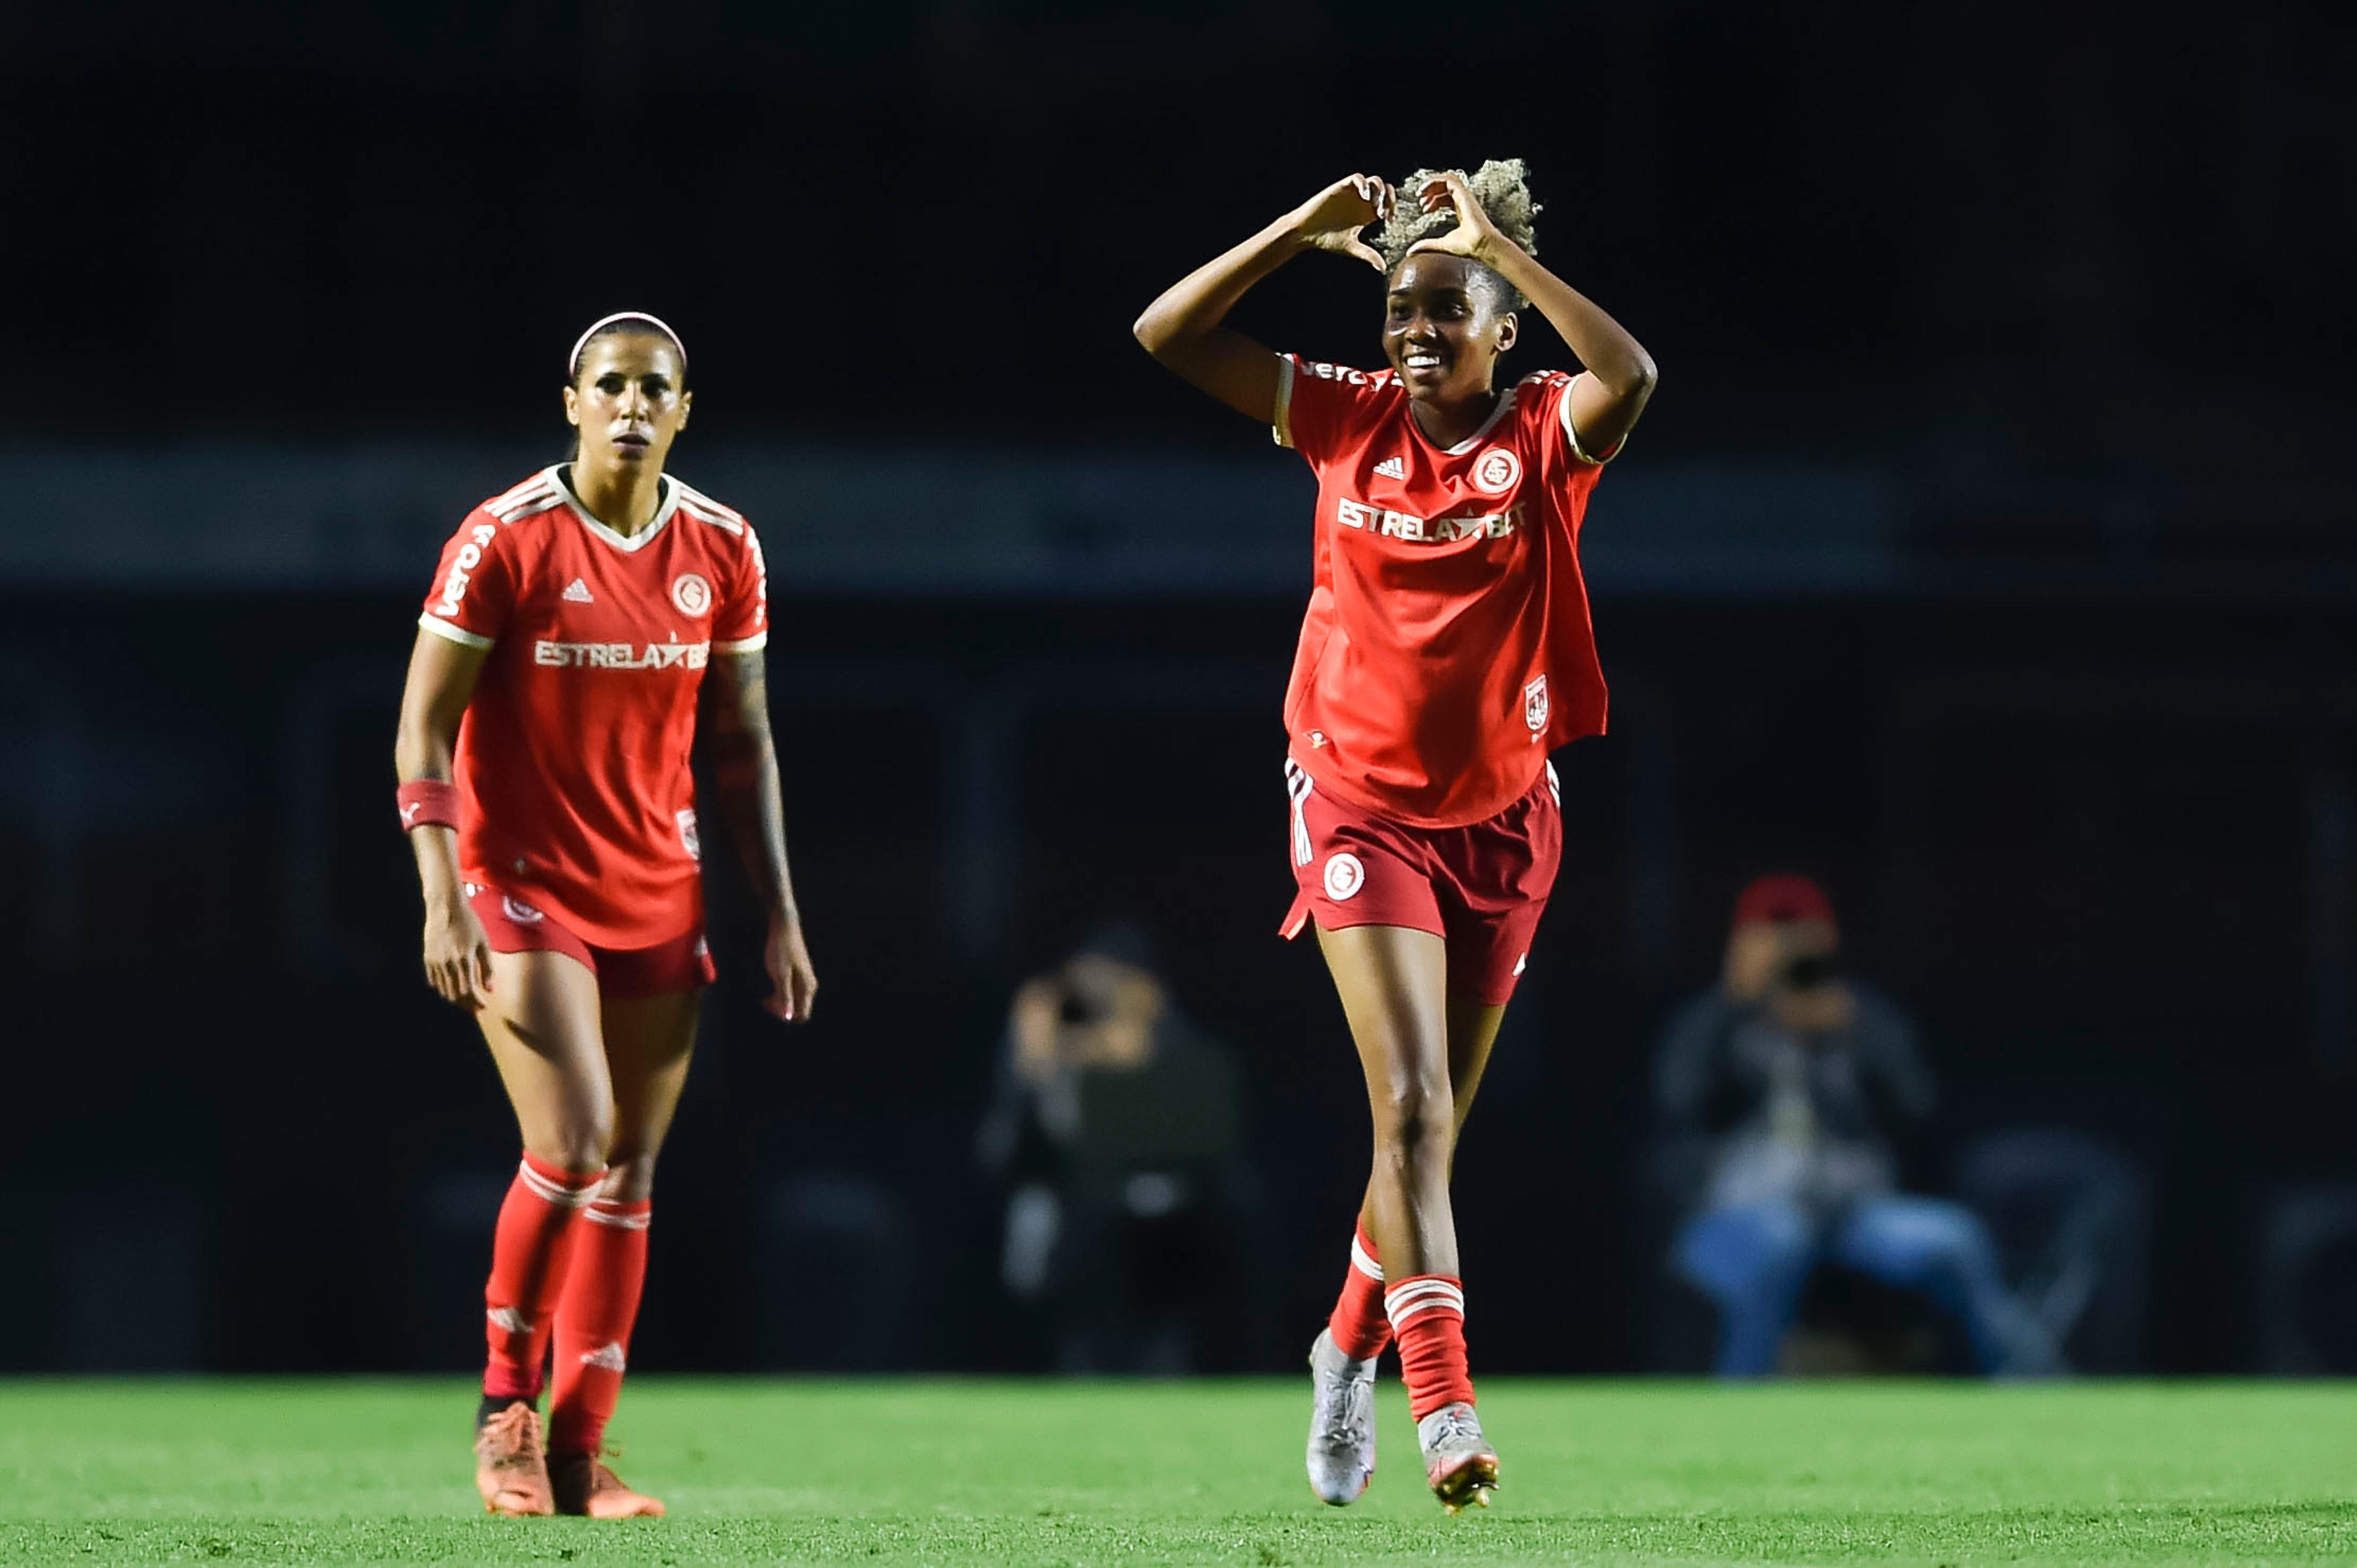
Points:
point(1332, 218)
point(457, 957)
point(1474, 234)
point(793, 984)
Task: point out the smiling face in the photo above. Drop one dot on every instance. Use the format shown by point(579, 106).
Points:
point(1442, 329)
point(628, 402)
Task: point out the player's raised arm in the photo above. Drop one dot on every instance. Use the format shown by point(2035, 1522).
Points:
point(1603, 404)
point(442, 673)
point(745, 769)
point(1182, 327)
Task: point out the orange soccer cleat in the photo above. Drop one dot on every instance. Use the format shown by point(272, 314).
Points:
point(583, 1485)
point(509, 1469)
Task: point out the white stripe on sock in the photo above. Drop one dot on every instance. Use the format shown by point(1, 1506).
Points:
point(1363, 1263)
point(1419, 1296)
point(1401, 1316)
point(563, 1196)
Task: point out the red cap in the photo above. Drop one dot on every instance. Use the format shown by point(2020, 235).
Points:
point(1782, 897)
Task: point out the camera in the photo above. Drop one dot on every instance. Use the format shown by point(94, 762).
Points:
point(1807, 972)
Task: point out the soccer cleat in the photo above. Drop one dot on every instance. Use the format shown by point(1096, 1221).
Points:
point(509, 1469)
point(583, 1485)
point(1458, 1460)
point(1341, 1422)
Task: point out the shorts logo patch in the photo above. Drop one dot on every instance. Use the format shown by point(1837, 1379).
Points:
point(691, 594)
point(522, 913)
point(688, 839)
point(1534, 704)
point(1344, 876)
point(1496, 472)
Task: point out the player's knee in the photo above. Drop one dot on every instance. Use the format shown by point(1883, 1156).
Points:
point(630, 1176)
point(579, 1140)
point(1416, 1123)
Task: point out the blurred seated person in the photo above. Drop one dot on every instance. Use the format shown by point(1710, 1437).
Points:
point(1116, 1128)
point(1800, 1087)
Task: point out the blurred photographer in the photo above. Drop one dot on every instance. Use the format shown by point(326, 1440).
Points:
point(1116, 1130)
point(1800, 1088)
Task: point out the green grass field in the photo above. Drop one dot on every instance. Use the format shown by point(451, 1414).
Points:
point(936, 1472)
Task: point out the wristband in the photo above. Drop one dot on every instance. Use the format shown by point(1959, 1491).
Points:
point(428, 800)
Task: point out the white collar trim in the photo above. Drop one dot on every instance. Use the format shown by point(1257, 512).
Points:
point(628, 543)
point(1471, 442)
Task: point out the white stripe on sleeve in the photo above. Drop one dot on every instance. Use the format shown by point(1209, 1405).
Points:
point(451, 631)
point(1280, 429)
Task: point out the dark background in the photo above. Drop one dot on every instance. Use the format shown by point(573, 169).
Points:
point(1986, 552)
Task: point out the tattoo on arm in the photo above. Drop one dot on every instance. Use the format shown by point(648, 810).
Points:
point(745, 769)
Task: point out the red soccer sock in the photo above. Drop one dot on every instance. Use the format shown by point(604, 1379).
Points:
point(1359, 1328)
point(530, 1251)
point(593, 1323)
point(1428, 1314)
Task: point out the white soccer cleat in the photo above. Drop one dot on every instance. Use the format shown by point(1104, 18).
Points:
point(1341, 1422)
point(1458, 1460)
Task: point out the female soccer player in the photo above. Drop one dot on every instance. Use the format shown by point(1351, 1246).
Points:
point(543, 750)
point(1447, 650)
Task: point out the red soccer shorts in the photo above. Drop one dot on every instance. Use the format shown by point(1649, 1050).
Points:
point(683, 963)
point(1479, 889)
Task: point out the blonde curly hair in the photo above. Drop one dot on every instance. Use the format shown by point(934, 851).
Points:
point(1502, 187)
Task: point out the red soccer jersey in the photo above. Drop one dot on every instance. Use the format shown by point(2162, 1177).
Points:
point(573, 756)
point(1448, 647)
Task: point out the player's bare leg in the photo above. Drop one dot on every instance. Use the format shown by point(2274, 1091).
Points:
point(648, 1041)
point(1473, 1029)
point(542, 1026)
point(1393, 983)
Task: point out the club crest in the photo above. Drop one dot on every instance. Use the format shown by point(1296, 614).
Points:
point(1497, 471)
point(1344, 876)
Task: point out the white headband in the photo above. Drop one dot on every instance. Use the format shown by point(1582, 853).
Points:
point(573, 365)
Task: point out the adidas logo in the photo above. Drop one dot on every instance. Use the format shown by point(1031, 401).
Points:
point(610, 1357)
point(577, 592)
point(1392, 468)
point(509, 1318)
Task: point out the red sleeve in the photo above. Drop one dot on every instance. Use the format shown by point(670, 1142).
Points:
point(742, 624)
point(475, 590)
point(1320, 407)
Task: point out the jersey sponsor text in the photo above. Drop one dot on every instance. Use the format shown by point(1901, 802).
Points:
point(622, 655)
point(1424, 530)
